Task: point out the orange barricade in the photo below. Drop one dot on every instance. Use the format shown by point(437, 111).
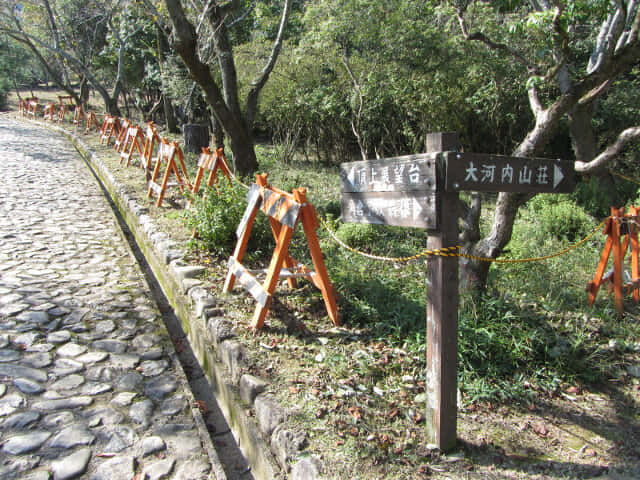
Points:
point(132, 140)
point(92, 121)
point(151, 139)
point(50, 112)
point(619, 225)
point(284, 211)
point(32, 106)
point(78, 115)
point(212, 162)
point(121, 133)
point(110, 128)
point(167, 153)
point(62, 112)
point(22, 107)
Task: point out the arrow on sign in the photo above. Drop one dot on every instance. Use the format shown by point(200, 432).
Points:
point(417, 209)
point(352, 176)
point(558, 176)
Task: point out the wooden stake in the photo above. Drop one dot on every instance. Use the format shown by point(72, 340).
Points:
point(442, 315)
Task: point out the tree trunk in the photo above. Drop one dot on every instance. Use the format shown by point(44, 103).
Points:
point(195, 137)
point(84, 92)
point(218, 132)
point(169, 116)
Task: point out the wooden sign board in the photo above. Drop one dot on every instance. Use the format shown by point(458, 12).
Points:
point(398, 191)
point(497, 173)
point(403, 209)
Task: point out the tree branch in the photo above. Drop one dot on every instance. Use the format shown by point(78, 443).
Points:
point(259, 82)
point(610, 153)
point(481, 37)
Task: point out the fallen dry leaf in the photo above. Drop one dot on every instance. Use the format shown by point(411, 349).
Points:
point(541, 429)
point(356, 412)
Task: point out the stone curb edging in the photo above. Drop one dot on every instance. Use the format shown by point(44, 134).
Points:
point(222, 358)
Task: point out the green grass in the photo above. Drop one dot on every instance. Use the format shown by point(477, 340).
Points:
point(531, 331)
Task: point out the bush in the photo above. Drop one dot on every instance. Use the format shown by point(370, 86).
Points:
point(215, 215)
point(561, 217)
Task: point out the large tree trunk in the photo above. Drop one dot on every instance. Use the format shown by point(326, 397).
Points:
point(218, 132)
point(235, 127)
point(169, 116)
point(195, 137)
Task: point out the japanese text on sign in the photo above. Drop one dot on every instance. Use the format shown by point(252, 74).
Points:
point(411, 209)
point(507, 174)
point(411, 172)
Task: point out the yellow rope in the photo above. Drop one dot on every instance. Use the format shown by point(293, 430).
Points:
point(629, 179)
point(536, 259)
point(453, 251)
point(443, 252)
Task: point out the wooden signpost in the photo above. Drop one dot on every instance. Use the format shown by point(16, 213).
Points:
point(498, 173)
point(422, 191)
point(396, 191)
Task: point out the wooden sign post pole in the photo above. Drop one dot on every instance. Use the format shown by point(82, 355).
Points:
point(442, 313)
point(422, 191)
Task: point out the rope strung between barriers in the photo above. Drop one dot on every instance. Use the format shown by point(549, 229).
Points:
point(537, 259)
point(629, 179)
point(453, 251)
point(443, 252)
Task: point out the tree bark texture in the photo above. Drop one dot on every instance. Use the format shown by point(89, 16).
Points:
point(186, 45)
point(195, 137)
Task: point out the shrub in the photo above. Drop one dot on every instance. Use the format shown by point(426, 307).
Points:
point(215, 215)
point(561, 217)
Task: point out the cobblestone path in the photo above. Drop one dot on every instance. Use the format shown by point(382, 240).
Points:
point(89, 387)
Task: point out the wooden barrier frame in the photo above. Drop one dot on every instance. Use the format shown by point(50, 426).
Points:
point(92, 121)
point(110, 129)
point(151, 139)
point(62, 113)
point(122, 130)
point(66, 101)
point(284, 211)
point(167, 153)
point(78, 116)
point(619, 225)
point(132, 140)
point(50, 112)
point(32, 106)
point(213, 162)
point(22, 107)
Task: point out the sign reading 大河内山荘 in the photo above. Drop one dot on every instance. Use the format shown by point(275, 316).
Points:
point(499, 173)
point(397, 191)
